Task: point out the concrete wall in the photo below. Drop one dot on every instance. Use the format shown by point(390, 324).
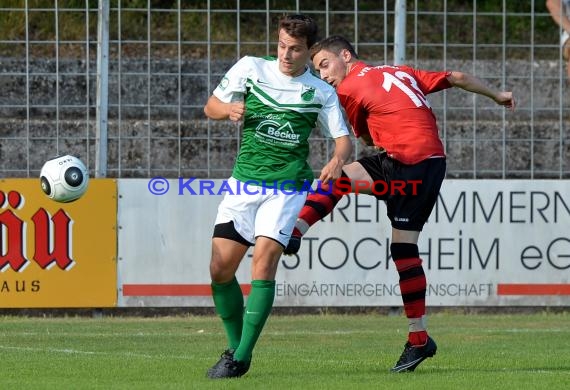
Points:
point(481, 139)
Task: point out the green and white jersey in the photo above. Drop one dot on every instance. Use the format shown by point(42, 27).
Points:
point(281, 112)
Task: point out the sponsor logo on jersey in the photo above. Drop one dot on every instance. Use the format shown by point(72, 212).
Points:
point(270, 131)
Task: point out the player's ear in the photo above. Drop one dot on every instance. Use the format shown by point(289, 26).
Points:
point(345, 55)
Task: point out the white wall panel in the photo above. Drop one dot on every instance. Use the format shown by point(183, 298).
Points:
point(488, 242)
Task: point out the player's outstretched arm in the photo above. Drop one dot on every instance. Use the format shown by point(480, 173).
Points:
point(471, 83)
point(558, 13)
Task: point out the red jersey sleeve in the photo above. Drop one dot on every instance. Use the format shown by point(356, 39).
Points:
point(429, 81)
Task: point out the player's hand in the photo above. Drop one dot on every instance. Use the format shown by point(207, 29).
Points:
point(506, 99)
point(331, 171)
point(237, 111)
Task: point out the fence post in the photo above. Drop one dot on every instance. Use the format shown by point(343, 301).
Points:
point(400, 32)
point(102, 89)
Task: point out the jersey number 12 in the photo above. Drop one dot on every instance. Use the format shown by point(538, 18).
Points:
point(416, 96)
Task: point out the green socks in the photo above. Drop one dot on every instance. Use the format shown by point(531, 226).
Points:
point(228, 299)
point(243, 328)
point(259, 305)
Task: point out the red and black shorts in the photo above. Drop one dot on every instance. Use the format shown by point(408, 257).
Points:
point(410, 191)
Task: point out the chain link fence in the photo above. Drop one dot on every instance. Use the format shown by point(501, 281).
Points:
point(166, 57)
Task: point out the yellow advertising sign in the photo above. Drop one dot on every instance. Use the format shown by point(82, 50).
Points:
point(57, 254)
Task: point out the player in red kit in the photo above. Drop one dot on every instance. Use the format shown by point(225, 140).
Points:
point(387, 108)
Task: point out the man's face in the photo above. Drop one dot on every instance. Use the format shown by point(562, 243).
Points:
point(332, 67)
point(292, 54)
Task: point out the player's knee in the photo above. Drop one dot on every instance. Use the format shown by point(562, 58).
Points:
point(217, 269)
point(404, 250)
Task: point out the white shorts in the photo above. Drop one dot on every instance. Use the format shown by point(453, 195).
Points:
point(261, 211)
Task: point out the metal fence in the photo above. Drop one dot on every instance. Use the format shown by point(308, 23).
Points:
point(165, 58)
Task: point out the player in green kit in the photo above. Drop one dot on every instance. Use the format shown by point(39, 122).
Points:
point(282, 102)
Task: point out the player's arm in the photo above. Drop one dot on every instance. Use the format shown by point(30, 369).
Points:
point(342, 152)
point(216, 109)
point(558, 14)
point(332, 122)
point(473, 84)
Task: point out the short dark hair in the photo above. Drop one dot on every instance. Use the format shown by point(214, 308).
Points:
point(334, 44)
point(300, 26)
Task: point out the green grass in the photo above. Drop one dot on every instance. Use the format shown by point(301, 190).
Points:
point(526, 351)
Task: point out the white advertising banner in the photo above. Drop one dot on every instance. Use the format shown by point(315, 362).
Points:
point(487, 243)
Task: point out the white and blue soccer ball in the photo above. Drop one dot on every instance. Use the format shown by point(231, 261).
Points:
point(64, 178)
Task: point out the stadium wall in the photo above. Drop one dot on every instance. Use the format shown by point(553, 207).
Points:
point(146, 243)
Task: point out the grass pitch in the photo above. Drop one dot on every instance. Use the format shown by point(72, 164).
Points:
point(515, 351)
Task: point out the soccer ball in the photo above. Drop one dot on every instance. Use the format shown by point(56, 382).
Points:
point(64, 178)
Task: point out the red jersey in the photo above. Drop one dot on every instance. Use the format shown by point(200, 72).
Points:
point(389, 103)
